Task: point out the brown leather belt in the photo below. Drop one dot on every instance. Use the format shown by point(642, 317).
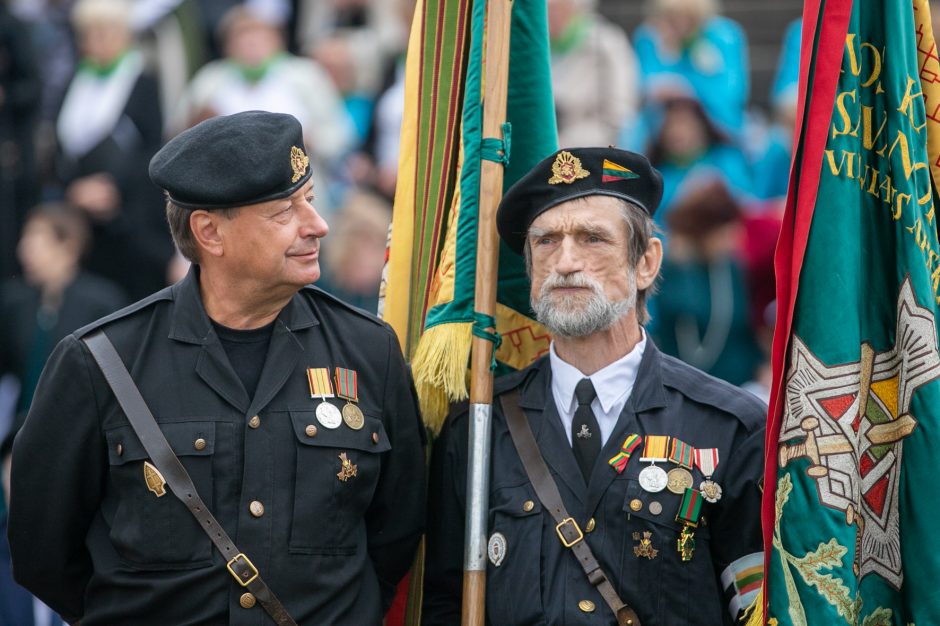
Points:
point(176, 476)
point(547, 492)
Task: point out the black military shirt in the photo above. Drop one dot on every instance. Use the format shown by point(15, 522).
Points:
point(89, 538)
point(533, 579)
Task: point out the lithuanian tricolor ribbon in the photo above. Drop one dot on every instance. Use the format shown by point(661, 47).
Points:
point(614, 172)
point(619, 460)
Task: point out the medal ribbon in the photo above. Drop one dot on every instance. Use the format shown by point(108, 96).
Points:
point(681, 453)
point(347, 384)
point(655, 448)
point(690, 508)
point(619, 461)
point(707, 460)
point(319, 379)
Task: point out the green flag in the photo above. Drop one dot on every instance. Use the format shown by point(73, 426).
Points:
point(850, 509)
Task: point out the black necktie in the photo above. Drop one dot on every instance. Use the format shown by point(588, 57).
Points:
point(585, 433)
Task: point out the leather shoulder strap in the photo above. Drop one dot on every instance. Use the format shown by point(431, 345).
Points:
point(176, 476)
point(567, 528)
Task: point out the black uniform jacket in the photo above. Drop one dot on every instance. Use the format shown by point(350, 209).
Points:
point(538, 581)
point(90, 540)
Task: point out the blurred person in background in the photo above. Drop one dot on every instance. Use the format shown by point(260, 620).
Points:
point(354, 255)
point(19, 91)
point(53, 298)
point(594, 74)
point(702, 314)
point(258, 73)
point(109, 126)
point(688, 147)
point(685, 47)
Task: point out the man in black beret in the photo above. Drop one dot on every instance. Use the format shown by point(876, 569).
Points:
point(655, 466)
point(292, 413)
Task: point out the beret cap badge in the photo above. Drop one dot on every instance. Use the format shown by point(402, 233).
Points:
point(298, 162)
point(567, 169)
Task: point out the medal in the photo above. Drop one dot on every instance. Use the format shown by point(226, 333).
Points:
point(652, 478)
point(645, 547)
point(706, 459)
point(619, 460)
point(680, 478)
point(320, 387)
point(347, 388)
point(690, 509)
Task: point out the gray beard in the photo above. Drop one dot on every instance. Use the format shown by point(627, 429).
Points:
point(583, 315)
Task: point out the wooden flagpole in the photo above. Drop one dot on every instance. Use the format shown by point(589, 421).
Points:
point(496, 76)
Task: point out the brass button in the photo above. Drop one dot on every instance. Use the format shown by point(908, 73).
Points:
point(254, 422)
point(247, 600)
point(586, 605)
point(200, 444)
point(375, 437)
point(311, 430)
point(528, 505)
point(636, 504)
point(656, 508)
point(119, 449)
point(256, 508)
point(590, 525)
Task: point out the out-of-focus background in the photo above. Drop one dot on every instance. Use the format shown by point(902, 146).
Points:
point(90, 90)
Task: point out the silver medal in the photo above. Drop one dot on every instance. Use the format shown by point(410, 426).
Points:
point(710, 490)
point(653, 479)
point(328, 415)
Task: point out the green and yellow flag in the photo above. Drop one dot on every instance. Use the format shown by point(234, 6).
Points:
point(431, 271)
point(850, 507)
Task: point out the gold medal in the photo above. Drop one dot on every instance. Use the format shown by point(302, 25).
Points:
point(353, 416)
point(645, 547)
point(678, 479)
point(348, 469)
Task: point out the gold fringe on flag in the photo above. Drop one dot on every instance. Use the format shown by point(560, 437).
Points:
point(755, 612)
point(440, 370)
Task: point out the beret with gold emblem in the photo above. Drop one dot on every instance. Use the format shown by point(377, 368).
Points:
point(575, 173)
point(233, 160)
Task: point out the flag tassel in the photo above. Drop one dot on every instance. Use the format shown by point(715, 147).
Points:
point(755, 612)
point(440, 369)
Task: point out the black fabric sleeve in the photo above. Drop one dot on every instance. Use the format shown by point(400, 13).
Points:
point(59, 467)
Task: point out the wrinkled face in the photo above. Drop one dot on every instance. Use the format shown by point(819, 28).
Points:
point(275, 243)
point(581, 279)
point(103, 42)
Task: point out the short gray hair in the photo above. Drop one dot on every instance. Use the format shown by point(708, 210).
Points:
point(641, 229)
point(178, 219)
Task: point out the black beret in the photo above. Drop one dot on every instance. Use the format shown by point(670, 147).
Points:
point(575, 173)
point(233, 160)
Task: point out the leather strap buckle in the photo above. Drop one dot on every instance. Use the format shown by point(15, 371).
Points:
point(247, 571)
point(568, 536)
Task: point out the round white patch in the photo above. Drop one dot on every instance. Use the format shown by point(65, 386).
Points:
point(496, 548)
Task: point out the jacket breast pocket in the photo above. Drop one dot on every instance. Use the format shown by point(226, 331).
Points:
point(336, 476)
point(514, 587)
point(151, 528)
point(664, 587)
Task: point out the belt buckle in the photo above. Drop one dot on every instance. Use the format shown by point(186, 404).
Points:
point(561, 534)
point(239, 579)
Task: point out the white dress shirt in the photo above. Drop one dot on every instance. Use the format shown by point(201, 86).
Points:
point(613, 384)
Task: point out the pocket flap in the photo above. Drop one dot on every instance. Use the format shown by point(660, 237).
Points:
point(659, 508)
point(519, 501)
point(310, 432)
point(185, 439)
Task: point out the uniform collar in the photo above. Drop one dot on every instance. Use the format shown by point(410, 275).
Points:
point(191, 324)
point(612, 382)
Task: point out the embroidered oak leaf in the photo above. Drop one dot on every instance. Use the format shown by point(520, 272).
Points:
point(880, 617)
point(784, 487)
point(827, 555)
point(833, 590)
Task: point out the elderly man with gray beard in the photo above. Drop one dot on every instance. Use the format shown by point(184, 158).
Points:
point(625, 485)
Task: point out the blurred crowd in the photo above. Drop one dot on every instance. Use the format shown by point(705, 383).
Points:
point(90, 90)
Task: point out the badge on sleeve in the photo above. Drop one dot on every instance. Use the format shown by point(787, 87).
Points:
point(320, 387)
point(496, 548)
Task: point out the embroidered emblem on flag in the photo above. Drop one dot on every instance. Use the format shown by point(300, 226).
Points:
point(614, 172)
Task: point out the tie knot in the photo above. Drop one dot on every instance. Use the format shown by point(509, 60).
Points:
point(584, 392)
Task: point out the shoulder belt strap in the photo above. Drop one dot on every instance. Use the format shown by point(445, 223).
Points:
point(176, 476)
point(547, 491)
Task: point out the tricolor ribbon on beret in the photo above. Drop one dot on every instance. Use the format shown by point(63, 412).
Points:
point(619, 460)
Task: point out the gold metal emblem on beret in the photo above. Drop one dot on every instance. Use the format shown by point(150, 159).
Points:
point(298, 163)
point(567, 169)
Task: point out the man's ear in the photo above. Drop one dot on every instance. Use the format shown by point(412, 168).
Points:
point(647, 269)
point(206, 232)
